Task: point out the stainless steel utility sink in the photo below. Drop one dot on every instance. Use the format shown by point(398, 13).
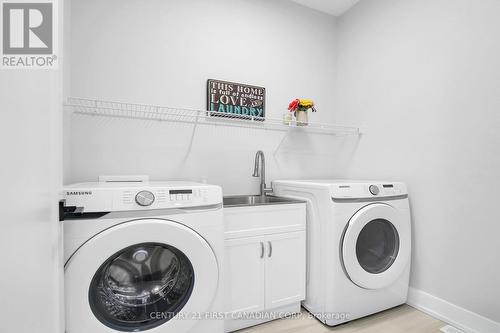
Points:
point(256, 200)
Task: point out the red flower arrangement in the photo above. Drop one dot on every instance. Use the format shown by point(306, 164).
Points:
point(301, 105)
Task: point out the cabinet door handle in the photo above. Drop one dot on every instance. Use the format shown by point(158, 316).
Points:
point(270, 249)
point(261, 250)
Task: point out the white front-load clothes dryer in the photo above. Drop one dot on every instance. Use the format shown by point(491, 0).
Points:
point(358, 246)
point(143, 256)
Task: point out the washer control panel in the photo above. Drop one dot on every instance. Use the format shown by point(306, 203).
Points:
point(168, 198)
point(126, 197)
point(360, 190)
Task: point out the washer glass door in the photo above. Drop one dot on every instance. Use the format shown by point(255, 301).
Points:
point(138, 281)
point(376, 246)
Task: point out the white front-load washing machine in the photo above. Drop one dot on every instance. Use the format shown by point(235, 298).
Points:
point(358, 246)
point(143, 256)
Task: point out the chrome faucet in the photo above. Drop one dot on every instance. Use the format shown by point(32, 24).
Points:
point(261, 172)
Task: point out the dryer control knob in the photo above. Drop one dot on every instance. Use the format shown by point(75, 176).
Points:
point(144, 198)
point(374, 189)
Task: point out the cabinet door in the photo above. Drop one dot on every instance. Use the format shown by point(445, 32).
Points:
point(244, 281)
point(285, 269)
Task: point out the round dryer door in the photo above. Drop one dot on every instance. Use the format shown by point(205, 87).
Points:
point(140, 275)
point(376, 246)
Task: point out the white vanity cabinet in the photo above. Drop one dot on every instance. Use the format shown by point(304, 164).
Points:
point(265, 265)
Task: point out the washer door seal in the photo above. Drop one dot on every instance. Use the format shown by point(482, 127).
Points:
point(376, 246)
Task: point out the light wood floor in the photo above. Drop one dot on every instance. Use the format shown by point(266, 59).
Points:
point(403, 319)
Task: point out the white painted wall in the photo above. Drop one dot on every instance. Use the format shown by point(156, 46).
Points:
point(423, 78)
point(163, 51)
point(31, 274)
point(31, 277)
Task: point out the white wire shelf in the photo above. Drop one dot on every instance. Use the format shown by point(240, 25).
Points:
point(198, 117)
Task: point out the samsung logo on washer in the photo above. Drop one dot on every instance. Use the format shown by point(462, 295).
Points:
point(79, 193)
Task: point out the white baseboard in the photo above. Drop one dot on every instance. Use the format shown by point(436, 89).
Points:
point(450, 313)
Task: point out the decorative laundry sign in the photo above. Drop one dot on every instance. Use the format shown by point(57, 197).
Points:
point(225, 98)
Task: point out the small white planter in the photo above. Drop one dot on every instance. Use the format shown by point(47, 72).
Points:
point(302, 118)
